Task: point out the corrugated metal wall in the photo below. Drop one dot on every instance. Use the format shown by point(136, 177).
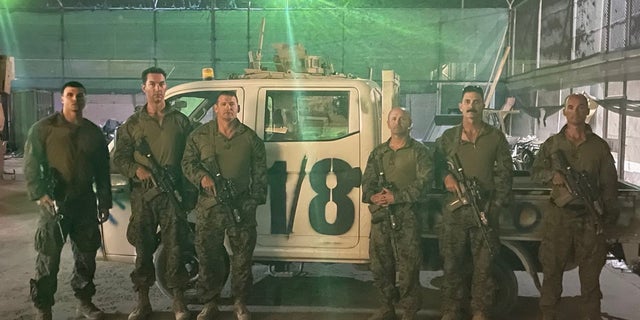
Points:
point(27, 107)
point(106, 50)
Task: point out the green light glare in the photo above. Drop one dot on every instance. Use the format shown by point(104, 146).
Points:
point(9, 3)
point(290, 36)
point(8, 41)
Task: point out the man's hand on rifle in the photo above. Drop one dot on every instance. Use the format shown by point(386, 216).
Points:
point(383, 198)
point(558, 179)
point(451, 184)
point(142, 173)
point(103, 215)
point(208, 185)
point(47, 203)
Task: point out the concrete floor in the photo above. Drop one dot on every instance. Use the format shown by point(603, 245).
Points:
point(326, 292)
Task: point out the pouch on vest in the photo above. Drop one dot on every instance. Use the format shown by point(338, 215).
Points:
point(150, 194)
point(456, 204)
point(206, 202)
point(561, 196)
point(378, 213)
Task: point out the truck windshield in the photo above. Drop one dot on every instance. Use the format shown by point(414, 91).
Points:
point(298, 115)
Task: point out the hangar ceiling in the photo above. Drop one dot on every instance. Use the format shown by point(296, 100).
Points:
point(240, 4)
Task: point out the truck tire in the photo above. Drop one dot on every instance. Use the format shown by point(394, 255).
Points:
point(192, 265)
point(507, 289)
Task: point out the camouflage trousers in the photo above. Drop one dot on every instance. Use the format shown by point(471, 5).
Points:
point(468, 282)
point(569, 237)
point(79, 224)
point(145, 218)
point(211, 225)
point(384, 264)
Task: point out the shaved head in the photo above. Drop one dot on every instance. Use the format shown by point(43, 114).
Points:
point(395, 110)
point(576, 95)
point(399, 121)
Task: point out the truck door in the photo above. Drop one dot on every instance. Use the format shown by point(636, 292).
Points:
point(312, 139)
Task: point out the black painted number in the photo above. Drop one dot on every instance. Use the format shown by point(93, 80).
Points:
point(346, 179)
point(278, 197)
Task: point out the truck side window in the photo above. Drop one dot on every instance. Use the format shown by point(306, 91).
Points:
point(297, 115)
point(195, 105)
point(198, 105)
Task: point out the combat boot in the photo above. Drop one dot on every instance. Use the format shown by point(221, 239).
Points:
point(386, 312)
point(143, 309)
point(179, 307)
point(240, 310)
point(591, 310)
point(450, 316)
point(209, 311)
point(410, 315)
point(87, 309)
point(549, 314)
point(478, 315)
point(43, 314)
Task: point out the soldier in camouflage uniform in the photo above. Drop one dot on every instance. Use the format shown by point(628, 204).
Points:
point(239, 155)
point(398, 173)
point(569, 234)
point(65, 154)
point(165, 129)
point(484, 154)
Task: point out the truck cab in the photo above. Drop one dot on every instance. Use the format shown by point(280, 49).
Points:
point(318, 131)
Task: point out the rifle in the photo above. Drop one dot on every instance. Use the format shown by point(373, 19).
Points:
point(472, 196)
point(580, 186)
point(379, 213)
point(161, 177)
point(226, 192)
point(52, 178)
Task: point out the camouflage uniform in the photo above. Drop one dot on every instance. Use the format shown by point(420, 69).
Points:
point(78, 157)
point(408, 169)
point(467, 261)
point(150, 209)
point(242, 159)
point(568, 232)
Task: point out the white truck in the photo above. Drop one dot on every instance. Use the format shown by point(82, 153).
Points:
point(318, 131)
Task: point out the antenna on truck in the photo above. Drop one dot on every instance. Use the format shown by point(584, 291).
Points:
point(256, 63)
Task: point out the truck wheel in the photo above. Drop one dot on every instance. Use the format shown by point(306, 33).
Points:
point(192, 265)
point(507, 289)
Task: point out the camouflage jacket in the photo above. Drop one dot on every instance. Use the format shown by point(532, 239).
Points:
point(241, 159)
point(77, 154)
point(166, 140)
point(488, 160)
point(408, 169)
point(592, 156)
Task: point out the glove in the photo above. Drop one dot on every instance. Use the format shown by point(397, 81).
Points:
point(103, 215)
